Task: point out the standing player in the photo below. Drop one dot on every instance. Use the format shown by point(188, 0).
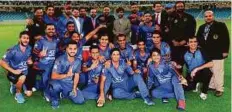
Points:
point(146, 30)
point(16, 61)
point(45, 51)
point(65, 77)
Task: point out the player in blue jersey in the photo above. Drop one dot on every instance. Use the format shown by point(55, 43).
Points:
point(198, 65)
point(93, 69)
point(16, 61)
point(64, 39)
point(125, 49)
point(123, 80)
point(163, 80)
point(162, 46)
point(49, 17)
point(146, 30)
point(64, 19)
point(65, 77)
point(82, 40)
point(141, 55)
point(104, 47)
point(44, 52)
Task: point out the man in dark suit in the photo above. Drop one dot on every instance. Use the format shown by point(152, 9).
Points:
point(107, 19)
point(86, 21)
point(160, 17)
point(213, 37)
point(93, 24)
point(183, 26)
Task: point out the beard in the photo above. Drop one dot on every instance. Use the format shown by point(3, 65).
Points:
point(180, 10)
point(21, 43)
point(70, 54)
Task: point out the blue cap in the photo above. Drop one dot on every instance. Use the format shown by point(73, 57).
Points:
point(169, 5)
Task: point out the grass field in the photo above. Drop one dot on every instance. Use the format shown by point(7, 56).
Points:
point(8, 38)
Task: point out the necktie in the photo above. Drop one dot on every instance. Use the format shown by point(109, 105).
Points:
point(206, 31)
point(157, 18)
point(93, 22)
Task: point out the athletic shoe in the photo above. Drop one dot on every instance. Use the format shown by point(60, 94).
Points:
point(55, 104)
point(148, 101)
point(165, 100)
point(34, 89)
point(197, 88)
point(218, 93)
point(181, 105)
point(19, 98)
point(203, 96)
point(12, 88)
point(46, 97)
point(137, 94)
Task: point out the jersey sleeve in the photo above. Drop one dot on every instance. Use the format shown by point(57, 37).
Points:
point(8, 55)
point(38, 47)
point(77, 67)
point(57, 66)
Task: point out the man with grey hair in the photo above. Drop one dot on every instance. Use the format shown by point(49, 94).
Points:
point(213, 37)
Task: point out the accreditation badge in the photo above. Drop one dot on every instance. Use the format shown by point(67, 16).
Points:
point(175, 21)
point(215, 36)
point(185, 19)
point(37, 25)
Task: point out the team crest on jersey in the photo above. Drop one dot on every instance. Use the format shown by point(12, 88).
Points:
point(4, 56)
point(215, 36)
point(185, 19)
point(36, 45)
point(37, 25)
point(175, 21)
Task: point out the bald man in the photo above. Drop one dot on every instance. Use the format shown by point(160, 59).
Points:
point(213, 37)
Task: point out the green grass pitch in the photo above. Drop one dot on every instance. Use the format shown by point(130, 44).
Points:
point(9, 37)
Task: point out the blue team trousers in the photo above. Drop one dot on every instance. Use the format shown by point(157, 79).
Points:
point(169, 89)
point(124, 89)
point(57, 86)
point(91, 91)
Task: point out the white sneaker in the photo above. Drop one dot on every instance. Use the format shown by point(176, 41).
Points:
point(203, 96)
point(34, 89)
point(197, 88)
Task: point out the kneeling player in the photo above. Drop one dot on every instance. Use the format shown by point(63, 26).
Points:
point(65, 77)
point(123, 80)
point(92, 68)
point(198, 65)
point(163, 80)
point(15, 62)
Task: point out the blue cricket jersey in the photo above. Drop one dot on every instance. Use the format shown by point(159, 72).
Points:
point(195, 59)
point(145, 32)
point(127, 53)
point(118, 74)
point(51, 47)
point(141, 60)
point(61, 24)
point(18, 59)
point(105, 53)
point(96, 72)
point(165, 50)
point(62, 66)
point(163, 73)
